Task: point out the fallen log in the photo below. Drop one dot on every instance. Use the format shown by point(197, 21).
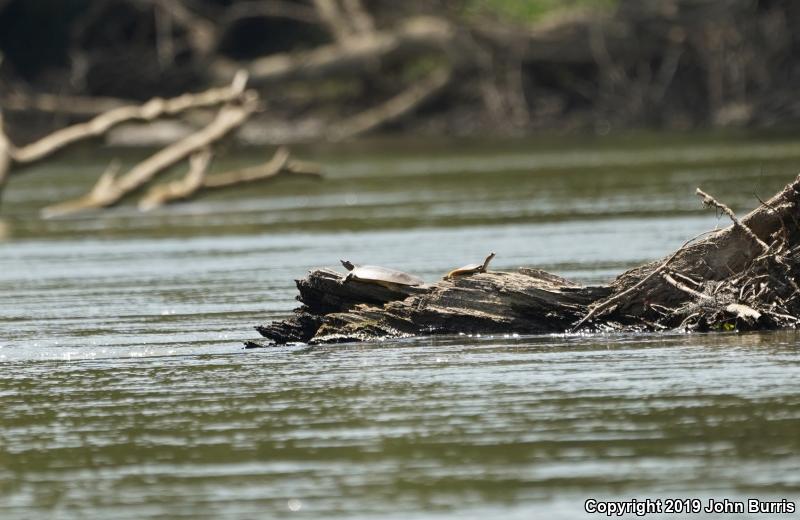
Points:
point(742, 277)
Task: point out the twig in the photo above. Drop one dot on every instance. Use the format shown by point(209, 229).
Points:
point(681, 287)
point(606, 303)
point(708, 200)
point(111, 190)
point(265, 171)
point(687, 279)
point(278, 165)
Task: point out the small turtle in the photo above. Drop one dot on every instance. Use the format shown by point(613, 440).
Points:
point(384, 276)
point(470, 269)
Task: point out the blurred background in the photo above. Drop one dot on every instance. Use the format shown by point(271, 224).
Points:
point(479, 67)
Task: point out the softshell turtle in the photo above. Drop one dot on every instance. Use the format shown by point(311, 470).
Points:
point(470, 269)
point(379, 275)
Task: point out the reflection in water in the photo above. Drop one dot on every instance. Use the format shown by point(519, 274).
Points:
point(124, 392)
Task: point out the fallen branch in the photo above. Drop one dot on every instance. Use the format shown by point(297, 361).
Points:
point(708, 200)
point(198, 167)
point(153, 109)
point(110, 189)
point(605, 304)
point(396, 107)
point(684, 288)
point(197, 180)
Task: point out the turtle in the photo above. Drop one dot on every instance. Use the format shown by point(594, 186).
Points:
point(390, 278)
point(470, 269)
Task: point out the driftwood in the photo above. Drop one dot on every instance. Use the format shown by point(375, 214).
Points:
point(150, 111)
point(111, 189)
point(13, 157)
point(197, 180)
point(238, 105)
point(726, 280)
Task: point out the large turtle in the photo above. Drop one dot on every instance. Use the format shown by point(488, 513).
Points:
point(470, 269)
point(384, 276)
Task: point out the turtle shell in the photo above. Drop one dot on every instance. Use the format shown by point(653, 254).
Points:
point(465, 269)
point(374, 273)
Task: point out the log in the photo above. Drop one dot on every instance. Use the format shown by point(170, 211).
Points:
point(725, 280)
point(526, 301)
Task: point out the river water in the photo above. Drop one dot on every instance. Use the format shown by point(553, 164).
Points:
point(125, 392)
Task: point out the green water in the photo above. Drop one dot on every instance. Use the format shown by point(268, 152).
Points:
point(125, 393)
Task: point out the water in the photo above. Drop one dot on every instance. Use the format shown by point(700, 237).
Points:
point(125, 393)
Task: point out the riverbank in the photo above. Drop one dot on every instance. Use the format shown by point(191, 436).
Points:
point(675, 65)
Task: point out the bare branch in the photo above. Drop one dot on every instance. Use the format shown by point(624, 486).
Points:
point(708, 200)
point(150, 111)
point(605, 304)
point(111, 190)
point(686, 289)
point(394, 108)
point(182, 188)
point(280, 164)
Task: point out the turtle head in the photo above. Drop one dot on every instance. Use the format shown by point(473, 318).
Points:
point(488, 259)
point(347, 264)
